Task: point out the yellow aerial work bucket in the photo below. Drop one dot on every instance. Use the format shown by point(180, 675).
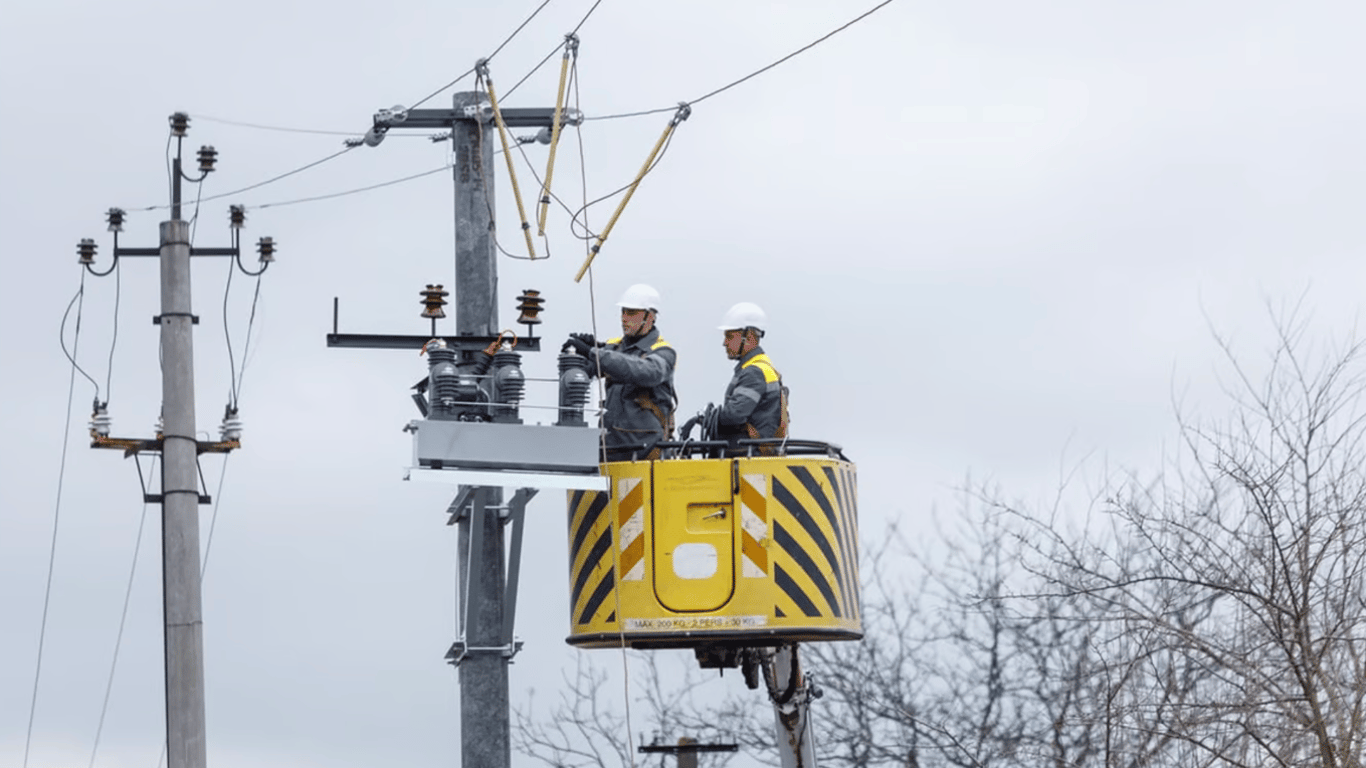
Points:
point(693, 550)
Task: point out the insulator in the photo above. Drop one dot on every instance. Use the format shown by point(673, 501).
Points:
point(100, 421)
point(115, 219)
point(159, 427)
point(207, 156)
point(574, 387)
point(529, 304)
point(231, 428)
point(433, 299)
point(266, 247)
point(86, 248)
point(180, 122)
point(237, 216)
point(509, 384)
point(443, 380)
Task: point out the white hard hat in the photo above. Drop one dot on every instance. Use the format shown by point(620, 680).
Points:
point(744, 315)
point(640, 296)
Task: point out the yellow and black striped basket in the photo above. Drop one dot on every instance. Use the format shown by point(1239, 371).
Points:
point(741, 551)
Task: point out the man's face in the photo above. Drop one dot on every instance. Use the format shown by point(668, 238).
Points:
point(734, 343)
point(636, 322)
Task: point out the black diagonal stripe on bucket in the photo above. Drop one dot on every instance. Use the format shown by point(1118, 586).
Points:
point(590, 519)
point(600, 548)
point(813, 487)
point(848, 536)
point(604, 589)
point(808, 523)
point(788, 586)
point(794, 550)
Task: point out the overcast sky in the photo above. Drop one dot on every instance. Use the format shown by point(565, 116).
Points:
point(992, 237)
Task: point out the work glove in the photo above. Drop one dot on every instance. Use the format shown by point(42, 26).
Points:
point(586, 338)
point(581, 346)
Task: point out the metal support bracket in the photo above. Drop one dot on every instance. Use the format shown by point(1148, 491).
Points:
point(459, 651)
point(156, 319)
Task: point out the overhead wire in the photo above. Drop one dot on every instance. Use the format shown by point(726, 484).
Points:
point(114, 336)
point(277, 128)
point(123, 619)
point(77, 301)
point(57, 509)
point(756, 72)
point(260, 184)
point(486, 59)
point(602, 435)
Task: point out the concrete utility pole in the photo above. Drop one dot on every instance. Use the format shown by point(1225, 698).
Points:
point(179, 448)
point(185, 727)
point(485, 732)
point(487, 597)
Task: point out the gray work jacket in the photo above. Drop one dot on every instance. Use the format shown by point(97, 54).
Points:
point(754, 400)
point(640, 392)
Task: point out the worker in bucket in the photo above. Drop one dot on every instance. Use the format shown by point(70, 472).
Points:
point(756, 400)
point(638, 368)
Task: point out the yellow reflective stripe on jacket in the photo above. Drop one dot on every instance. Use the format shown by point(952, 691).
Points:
point(763, 363)
point(617, 340)
point(660, 343)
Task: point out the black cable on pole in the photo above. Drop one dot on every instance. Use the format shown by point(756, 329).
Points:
point(246, 345)
point(488, 58)
point(114, 338)
point(77, 301)
point(123, 619)
point(56, 515)
point(227, 337)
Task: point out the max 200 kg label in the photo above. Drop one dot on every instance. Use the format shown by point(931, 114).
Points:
point(694, 623)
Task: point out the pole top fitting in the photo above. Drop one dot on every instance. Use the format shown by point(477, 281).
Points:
point(571, 44)
point(683, 113)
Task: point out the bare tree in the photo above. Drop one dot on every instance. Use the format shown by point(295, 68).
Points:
point(588, 726)
point(1249, 577)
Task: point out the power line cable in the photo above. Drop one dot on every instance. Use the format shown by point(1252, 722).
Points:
point(487, 59)
point(56, 514)
point(277, 128)
point(756, 72)
point(123, 618)
point(213, 519)
point(288, 129)
point(344, 193)
point(584, 20)
point(246, 345)
point(797, 52)
point(77, 301)
point(533, 71)
point(259, 184)
point(114, 339)
point(557, 48)
point(227, 337)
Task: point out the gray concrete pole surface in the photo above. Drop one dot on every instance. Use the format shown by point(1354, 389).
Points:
point(485, 734)
point(182, 607)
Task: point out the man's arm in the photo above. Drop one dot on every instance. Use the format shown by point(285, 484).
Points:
point(744, 397)
point(652, 369)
